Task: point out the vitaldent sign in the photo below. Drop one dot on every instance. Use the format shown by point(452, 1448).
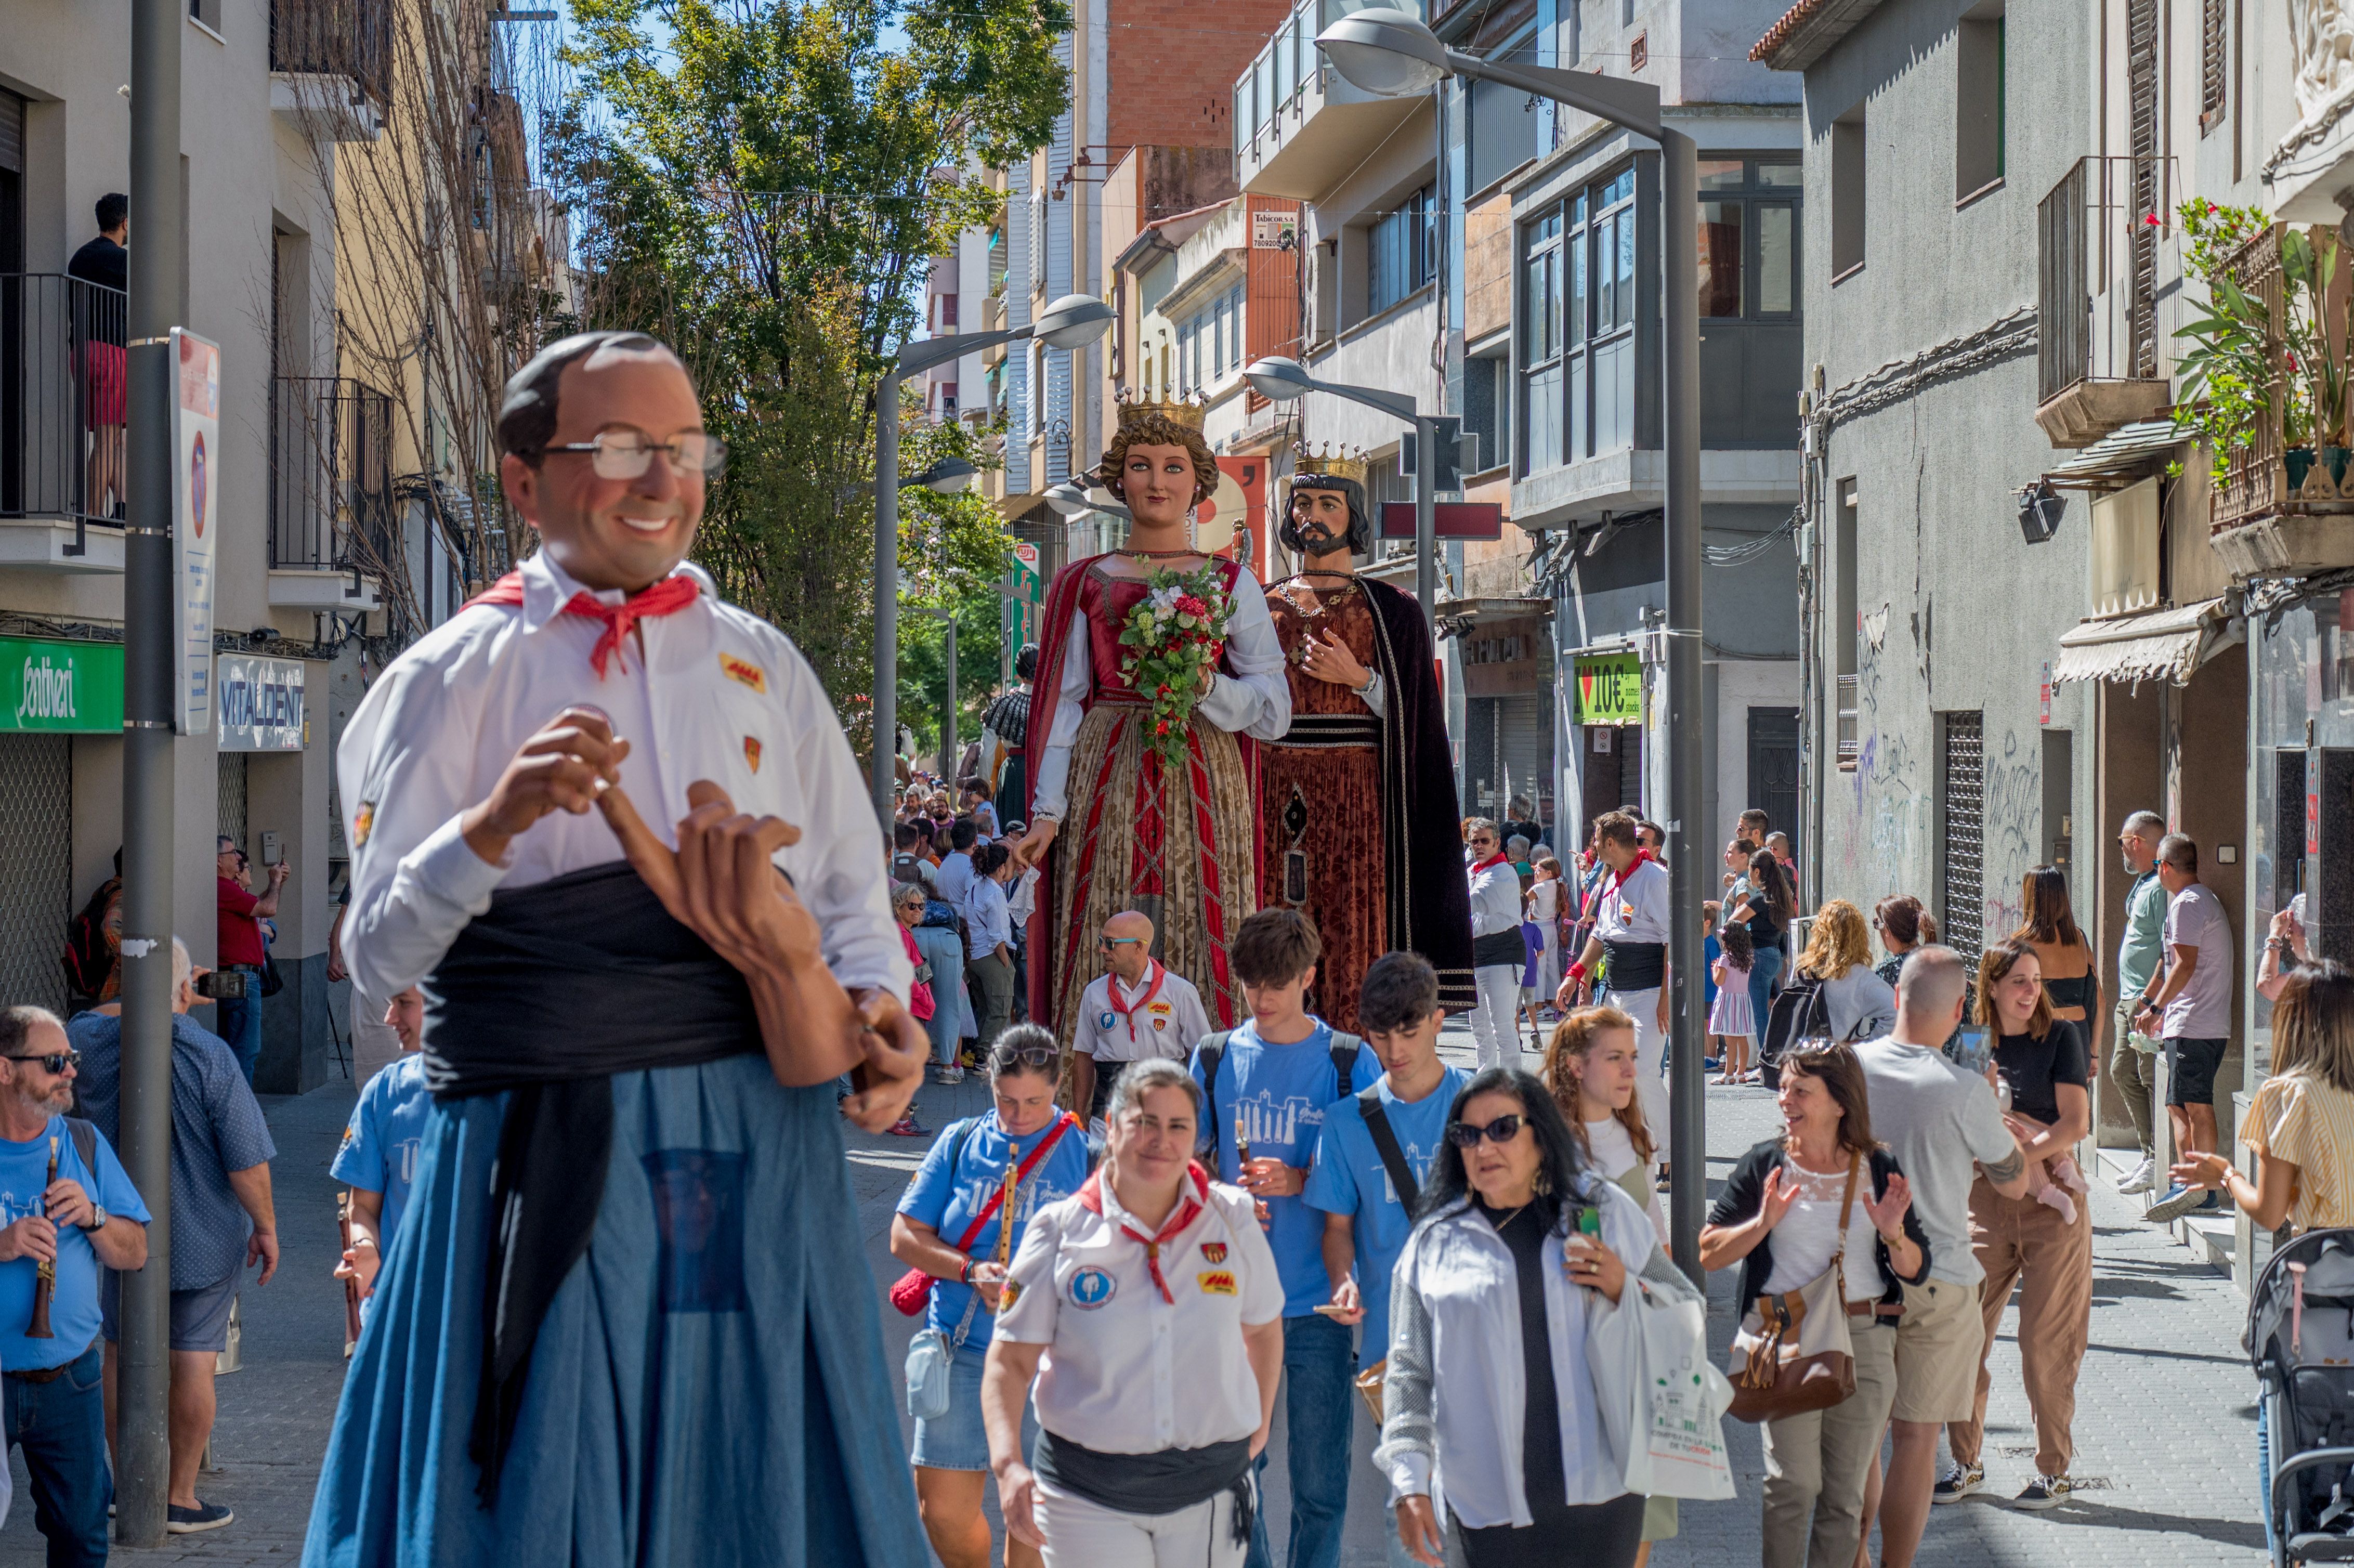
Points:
point(260, 703)
point(74, 687)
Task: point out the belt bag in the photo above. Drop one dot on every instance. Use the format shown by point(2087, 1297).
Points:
point(1500, 948)
point(1793, 1354)
point(1636, 966)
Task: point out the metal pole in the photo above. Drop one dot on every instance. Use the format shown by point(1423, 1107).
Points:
point(1426, 516)
point(142, 1443)
point(887, 595)
point(949, 753)
point(1687, 834)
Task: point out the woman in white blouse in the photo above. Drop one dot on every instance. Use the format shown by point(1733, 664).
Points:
point(1148, 1310)
point(1518, 1262)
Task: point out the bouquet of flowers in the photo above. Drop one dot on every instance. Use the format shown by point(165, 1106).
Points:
point(1175, 634)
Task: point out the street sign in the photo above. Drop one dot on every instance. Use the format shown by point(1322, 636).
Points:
point(73, 688)
point(1611, 689)
point(260, 704)
point(1450, 520)
point(196, 524)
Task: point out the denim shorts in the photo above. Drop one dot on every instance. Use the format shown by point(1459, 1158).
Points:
point(957, 1440)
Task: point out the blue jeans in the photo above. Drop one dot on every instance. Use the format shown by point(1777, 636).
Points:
point(1319, 1426)
point(61, 1426)
point(1764, 971)
point(239, 1018)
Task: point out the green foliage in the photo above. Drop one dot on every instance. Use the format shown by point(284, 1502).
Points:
point(760, 183)
point(2227, 374)
point(953, 553)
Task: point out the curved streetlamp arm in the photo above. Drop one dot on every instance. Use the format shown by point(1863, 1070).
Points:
point(1391, 403)
point(1633, 104)
point(926, 353)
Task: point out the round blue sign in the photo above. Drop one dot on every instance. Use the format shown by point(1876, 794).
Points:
point(1105, 1022)
point(1091, 1288)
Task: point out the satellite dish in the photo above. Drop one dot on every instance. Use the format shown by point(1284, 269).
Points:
point(1215, 520)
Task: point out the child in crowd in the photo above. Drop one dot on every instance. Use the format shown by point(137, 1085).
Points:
point(377, 1158)
point(1731, 1021)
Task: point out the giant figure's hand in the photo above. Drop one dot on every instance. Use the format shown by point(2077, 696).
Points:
point(894, 1049)
point(562, 767)
point(1033, 845)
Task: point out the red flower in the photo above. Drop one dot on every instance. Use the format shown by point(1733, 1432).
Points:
point(1191, 606)
point(2152, 218)
point(2292, 362)
point(1160, 728)
point(1163, 691)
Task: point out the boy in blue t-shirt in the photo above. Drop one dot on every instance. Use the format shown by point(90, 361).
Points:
point(377, 1160)
point(1274, 1076)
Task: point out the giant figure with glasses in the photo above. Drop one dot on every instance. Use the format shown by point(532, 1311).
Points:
point(611, 825)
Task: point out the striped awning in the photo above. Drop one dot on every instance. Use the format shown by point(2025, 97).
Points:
point(2158, 645)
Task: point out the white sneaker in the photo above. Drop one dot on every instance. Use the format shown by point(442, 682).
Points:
point(2141, 1178)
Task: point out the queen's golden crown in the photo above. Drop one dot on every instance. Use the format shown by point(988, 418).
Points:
point(1182, 411)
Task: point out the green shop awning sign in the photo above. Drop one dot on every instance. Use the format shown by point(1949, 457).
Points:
point(60, 686)
point(1611, 689)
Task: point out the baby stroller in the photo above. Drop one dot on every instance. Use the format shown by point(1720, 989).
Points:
point(2301, 1338)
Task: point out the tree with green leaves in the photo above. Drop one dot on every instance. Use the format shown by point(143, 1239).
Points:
point(761, 183)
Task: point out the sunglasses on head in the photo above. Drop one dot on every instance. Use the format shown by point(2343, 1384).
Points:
point(1004, 1057)
point(1503, 1129)
point(54, 1061)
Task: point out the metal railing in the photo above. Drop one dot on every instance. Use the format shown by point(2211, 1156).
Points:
point(63, 386)
point(331, 499)
point(334, 38)
point(1847, 741)
point(2097, 271)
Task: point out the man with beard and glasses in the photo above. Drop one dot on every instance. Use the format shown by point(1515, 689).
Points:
point(1354, 802)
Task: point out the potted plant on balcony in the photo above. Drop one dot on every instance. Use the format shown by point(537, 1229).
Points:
point(2318, 348)
point(2228, 372)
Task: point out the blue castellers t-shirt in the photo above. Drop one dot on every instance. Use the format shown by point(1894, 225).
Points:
point(1278, 1094)
point(378, 1153)
point(1350, 1179)
point(73, 1304)
point(947, 1200)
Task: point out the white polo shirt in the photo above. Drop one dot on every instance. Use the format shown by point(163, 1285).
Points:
point(1109, 1379)
point(1137, 1025)
point(1636, 909)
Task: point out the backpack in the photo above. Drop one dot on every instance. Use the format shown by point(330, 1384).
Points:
point(1800, 1012)
point(1213, 1051)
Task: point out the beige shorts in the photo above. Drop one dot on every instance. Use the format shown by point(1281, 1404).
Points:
point(1939, 1342)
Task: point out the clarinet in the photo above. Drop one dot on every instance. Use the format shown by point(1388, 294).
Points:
point(46, 1272)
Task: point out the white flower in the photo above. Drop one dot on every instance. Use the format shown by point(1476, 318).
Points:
point(1164, 598)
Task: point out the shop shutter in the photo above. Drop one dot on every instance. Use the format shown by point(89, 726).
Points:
point(1509, 752)
point(1961, 848)
point(231, 812)
point(37, 847)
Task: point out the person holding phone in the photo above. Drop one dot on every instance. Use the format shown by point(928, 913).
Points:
point(1522, 1255)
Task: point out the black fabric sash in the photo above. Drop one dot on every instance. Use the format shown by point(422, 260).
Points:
point(1636, 966)
point(1158, 1483)
point(548, 994)
point(1500, 948)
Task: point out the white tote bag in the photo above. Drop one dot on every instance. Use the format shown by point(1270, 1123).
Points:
point(1669, 1400)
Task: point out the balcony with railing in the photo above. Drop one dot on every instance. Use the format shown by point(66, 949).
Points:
point(64, 383)
point(1299, 128)
point(2283, 509)
point(330, 65)
point(2098, 256)
point(335, 525)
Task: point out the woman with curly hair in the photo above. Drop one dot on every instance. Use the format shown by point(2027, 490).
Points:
point(1859, 1004)
point(1112, 826)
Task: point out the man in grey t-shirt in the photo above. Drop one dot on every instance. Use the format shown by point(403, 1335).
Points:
point(2189, 1007)
point(1942, 1124)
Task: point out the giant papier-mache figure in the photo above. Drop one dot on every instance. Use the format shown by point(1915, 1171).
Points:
point(1115, 822)
point(1357, 825)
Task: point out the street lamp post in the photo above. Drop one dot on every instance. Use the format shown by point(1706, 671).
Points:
point(1392, 54)
point(1284, 380)
point(946, 617)
point(1072, 322)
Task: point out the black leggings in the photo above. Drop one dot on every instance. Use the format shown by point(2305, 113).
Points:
point(1598, 1535)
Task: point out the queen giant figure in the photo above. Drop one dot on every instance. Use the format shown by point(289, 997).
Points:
point(1123, 815)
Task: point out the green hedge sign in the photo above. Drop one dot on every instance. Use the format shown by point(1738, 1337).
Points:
point(54, 686)
point(1611, 689)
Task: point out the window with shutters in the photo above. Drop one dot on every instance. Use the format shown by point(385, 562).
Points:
point(1979, 104)
point(2141, 82)
point(1961, 835)
point(2214, 63)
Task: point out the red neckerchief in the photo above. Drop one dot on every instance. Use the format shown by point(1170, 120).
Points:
point(667, 597)
point(1188, 1209)
point(1153, 975)
point(1496, 859)
point(1632, 867)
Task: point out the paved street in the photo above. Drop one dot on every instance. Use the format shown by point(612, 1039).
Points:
point(2164, 1424)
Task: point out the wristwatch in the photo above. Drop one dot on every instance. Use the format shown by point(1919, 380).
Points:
point(97, 1216)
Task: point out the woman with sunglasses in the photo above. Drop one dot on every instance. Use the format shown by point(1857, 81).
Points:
point(1520, 1258)
point(1149, 1313)
point(947, 1225)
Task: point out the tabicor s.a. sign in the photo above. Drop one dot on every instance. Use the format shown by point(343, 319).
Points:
point(1611, 689)
point(61, 687)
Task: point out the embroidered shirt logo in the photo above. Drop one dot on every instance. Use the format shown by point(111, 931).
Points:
point(752, 753)
point(1213, 1252)
point(1216, 1282)
point(1091, 1288)
point(745, 672)
point(363, 821)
